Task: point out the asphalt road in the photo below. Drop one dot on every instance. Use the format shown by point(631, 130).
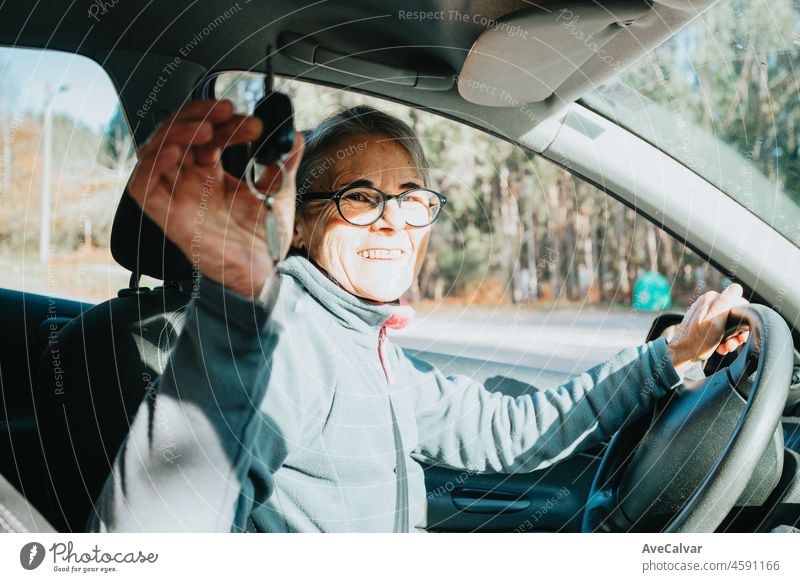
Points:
point(568, 342)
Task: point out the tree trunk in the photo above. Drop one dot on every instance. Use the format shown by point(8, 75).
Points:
point(534, 273)
point(554, 244)
point(623, 288)
point(652, 247)
point(666, 258)
point(632, 263)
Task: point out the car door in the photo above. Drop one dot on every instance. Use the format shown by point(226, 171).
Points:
point(546, 500)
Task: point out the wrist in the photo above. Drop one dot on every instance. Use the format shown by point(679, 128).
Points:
point(680, 361)
point(250, 284)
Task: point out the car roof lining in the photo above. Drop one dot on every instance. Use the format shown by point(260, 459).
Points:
point(354, 27)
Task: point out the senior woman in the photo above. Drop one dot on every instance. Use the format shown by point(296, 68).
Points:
point(284, 407)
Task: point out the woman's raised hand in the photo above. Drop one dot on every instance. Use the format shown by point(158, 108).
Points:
point(211, 216)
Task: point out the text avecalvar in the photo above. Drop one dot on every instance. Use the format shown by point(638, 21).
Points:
point(671, 549)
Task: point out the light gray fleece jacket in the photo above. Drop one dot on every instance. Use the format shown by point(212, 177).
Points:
point(281, 421)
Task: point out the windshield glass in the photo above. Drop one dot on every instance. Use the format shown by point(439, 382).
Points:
point(723, 97)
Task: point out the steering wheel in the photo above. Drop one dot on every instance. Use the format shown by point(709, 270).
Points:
point(682, 466)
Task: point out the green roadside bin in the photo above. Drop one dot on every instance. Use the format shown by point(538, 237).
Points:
point(651, 292)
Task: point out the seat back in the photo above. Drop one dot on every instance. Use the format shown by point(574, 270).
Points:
point(92, 378)
point(96, 372)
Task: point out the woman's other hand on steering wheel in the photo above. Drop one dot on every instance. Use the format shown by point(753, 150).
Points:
point(702, 330)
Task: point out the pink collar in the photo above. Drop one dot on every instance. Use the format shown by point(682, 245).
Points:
point(401, 316)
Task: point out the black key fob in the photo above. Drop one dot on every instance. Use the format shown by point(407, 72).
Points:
point(277, 139)
point(235, 159)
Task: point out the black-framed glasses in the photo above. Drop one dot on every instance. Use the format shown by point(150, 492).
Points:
point(362, 205)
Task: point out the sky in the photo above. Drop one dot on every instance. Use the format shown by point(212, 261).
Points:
point(25, 75)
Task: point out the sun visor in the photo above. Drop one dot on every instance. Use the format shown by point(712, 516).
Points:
point(528, 55)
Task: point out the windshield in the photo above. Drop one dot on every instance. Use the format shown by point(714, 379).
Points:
point(723, 97)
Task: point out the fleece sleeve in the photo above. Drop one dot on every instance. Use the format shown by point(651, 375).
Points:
point(463, 425)
point(186, 457)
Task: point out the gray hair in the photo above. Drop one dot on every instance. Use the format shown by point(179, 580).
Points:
point(348, 123)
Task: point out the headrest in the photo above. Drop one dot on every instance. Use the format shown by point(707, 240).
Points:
point(139, 245)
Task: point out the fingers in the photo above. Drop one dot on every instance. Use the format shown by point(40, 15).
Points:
point(149, 170)
point(189, 133)
point(728, 346)
point(201, 129)
point(705, 303)
point(238, 129)
point(731, 297)
point(170, 176)
point(203, 112)
point(270, 180)
point(151, 189)
point(733, 290)
point(732, 344)
point(702, 330)
point(181, 133)
point(713, 304)
point(735, 341)
point(214, 110)
point(232, 184)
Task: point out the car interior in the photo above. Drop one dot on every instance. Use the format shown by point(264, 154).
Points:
point(72, 374)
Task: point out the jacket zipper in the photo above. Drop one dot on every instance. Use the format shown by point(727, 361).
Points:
point(383, 357)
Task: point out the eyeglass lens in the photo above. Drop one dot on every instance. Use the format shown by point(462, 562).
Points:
point(363, 206)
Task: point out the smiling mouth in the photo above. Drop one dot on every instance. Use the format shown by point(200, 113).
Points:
point(381, 254)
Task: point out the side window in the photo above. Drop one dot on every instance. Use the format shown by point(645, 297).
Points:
point(528, 265)
point(66, 156)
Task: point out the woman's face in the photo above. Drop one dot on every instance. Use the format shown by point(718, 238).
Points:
point(341, 248)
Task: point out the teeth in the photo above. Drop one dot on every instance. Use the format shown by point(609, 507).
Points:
point(381, 253)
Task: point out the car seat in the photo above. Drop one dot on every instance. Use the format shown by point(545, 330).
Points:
point(109, 358)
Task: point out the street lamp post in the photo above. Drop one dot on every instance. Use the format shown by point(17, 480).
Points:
point(47, 160)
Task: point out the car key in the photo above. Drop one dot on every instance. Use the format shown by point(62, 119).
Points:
point(273, 145)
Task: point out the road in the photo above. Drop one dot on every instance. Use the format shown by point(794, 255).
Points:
point(568, 342)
